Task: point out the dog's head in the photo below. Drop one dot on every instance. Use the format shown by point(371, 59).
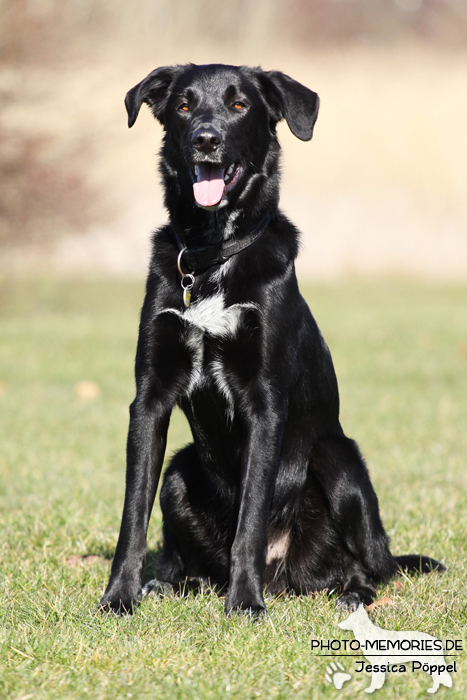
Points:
point(220, 124)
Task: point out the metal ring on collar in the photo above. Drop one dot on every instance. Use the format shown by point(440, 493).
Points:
point(179, 264)
point(190, 283)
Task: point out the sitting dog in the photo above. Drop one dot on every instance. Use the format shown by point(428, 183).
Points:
point(270, 493)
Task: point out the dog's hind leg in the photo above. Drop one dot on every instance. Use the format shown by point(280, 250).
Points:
point(340, 472)
point(197, 529)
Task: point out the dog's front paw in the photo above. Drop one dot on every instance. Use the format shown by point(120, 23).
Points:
point(253, 612)
point(120, 600)
point(245, 605)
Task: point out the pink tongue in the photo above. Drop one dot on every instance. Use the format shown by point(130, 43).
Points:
point(209, 189)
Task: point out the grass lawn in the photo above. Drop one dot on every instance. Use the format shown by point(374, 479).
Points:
point(400, 352)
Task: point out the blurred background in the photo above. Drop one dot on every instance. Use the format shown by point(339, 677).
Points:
point(380, 197)
point(381, 189)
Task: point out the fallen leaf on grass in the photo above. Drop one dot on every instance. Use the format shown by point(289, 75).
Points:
point(87, 391)
point(77, 560)
point(380, 603)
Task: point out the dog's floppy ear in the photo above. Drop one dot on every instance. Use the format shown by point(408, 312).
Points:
point(154, 91)
point(291, 101)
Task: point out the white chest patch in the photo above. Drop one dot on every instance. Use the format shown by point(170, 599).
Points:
point(212, 316)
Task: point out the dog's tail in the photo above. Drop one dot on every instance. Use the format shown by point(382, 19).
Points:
point(417, 563)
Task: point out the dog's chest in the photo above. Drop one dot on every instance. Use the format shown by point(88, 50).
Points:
point(207, 322)
point(212, 316)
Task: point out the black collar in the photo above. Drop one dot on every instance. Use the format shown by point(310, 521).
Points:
point(206, 256)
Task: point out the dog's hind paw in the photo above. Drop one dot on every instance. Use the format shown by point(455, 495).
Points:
point(157, 588)
point(349, 601)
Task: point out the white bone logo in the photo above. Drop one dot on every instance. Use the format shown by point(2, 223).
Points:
point(400, 648)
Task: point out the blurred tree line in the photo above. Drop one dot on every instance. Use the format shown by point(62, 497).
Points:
point(27, 25)
point(38, 197)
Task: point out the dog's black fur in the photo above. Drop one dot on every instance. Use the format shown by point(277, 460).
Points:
point(271, 493)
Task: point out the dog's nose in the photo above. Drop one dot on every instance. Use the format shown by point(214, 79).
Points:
point(206, 139)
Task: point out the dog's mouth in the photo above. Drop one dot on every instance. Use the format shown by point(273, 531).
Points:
point(211, 182)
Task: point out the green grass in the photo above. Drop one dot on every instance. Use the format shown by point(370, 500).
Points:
point(400, 352)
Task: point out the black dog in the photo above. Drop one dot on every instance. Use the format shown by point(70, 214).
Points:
point(271, 493)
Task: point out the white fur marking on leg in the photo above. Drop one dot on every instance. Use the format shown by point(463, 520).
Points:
point(194, 341)
point(221, 382)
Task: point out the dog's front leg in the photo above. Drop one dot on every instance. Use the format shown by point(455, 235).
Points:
point(247, 556)
point(147, 438)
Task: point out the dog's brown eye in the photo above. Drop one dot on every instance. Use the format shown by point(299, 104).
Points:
point(238, 105)
point(183, 107)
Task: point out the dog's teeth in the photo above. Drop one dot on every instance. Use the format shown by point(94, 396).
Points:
point(196, 170)
point(229, 171)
